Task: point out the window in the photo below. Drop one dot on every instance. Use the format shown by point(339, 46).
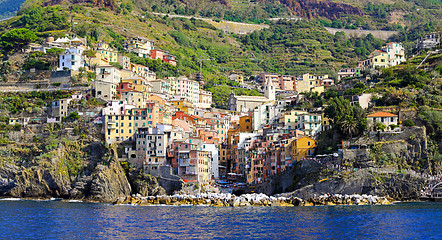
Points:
point(308, 143)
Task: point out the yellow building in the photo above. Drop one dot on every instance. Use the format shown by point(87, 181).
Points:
point(143, 72)
point(118, 128)
point(139, 84)
point(377, 59)
point(182, 105)
point(104, 51)
point(158, 99)
point(309, 82)
point(318, 89)
point(326, 124)
point(303, 147)
point(239, 79)
point(98, 61)
point(245, 124)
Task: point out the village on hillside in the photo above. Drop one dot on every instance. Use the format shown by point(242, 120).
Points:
point(170, 126)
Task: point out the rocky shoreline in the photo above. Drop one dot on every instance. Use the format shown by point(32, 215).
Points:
point(228, 200)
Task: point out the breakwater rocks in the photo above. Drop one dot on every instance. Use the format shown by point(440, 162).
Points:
point(228, 200)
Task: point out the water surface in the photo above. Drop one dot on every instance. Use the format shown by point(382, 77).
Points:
point(62, 220)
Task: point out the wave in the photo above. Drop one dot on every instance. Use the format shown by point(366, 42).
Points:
point(10, 199)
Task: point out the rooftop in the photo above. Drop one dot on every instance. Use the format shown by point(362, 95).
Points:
point(382, 114)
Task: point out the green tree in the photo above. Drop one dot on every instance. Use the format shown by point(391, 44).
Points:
point(17, 39)
point(349, 120)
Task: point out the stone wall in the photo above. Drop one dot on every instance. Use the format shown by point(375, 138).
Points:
point(166, 179)
point(384, 35)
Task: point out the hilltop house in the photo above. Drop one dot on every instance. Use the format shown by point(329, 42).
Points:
point(387, 119)
point(72, 59)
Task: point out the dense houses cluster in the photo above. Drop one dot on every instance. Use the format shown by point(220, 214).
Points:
point(170, 122)
point(304, 83)
point(390, 55)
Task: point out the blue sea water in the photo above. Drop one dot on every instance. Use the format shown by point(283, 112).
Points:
point(68, 220)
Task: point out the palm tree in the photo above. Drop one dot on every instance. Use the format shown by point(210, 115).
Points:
point(350, 126)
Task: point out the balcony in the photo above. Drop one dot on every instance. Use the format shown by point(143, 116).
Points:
point(313, 120)
point(184, 162)
point(111, 127)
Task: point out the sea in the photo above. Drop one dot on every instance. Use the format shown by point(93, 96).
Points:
point(26, 219)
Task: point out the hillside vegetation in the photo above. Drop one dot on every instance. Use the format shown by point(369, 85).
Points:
point(287, 47)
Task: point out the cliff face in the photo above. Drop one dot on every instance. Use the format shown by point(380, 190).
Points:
point(399, 186)
point(314, 8)
point(103, 181)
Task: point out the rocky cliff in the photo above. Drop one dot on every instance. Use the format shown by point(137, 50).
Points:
point(315, 8)
point(396, 185)
point(100, 178)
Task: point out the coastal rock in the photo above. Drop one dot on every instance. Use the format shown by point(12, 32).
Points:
point(109, 183)
point(146, 185)
point(220, 200)
point(399, 186)
point(33, 182)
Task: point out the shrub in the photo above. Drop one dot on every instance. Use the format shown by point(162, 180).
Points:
point(408, 123)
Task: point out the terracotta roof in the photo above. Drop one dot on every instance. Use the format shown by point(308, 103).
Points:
point(382, 114)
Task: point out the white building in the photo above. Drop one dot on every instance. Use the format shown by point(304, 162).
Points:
point(161, 86)
point(188, 89)
point(310, 123)
point(429, 41)
point(363, 100)
point(105, 90)
point(384, 118)
point(205, 99)
point(263, 115)
point(141, 46)
point(109, 74)
point(151, 146)
point(213, 148)
point(72, 59)
point(396, 53)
